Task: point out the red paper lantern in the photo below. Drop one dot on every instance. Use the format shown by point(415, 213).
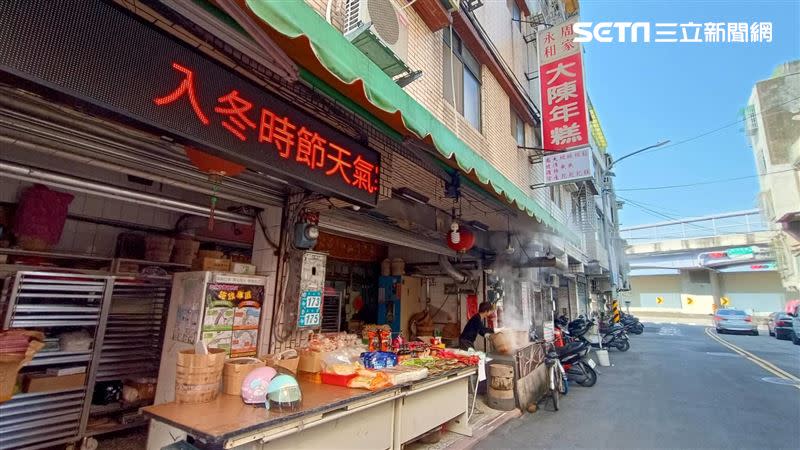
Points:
point(460, 239)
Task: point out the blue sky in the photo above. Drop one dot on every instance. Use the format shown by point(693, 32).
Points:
point(645, 93)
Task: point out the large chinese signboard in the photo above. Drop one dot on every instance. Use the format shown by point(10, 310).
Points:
point(566, 167)
point(563, 96)
point(109, 60)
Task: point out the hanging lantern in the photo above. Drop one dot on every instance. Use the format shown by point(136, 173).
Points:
point(460, 239)
point(216, 168)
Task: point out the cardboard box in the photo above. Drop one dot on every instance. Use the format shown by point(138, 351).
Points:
point(243, 268)
point(41, 382)
point(216, 264)
point(289, 364)
point(311, 361)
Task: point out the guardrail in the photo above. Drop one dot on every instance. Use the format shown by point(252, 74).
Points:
point(738, 222)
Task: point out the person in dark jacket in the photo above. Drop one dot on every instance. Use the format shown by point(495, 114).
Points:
point(474, 326)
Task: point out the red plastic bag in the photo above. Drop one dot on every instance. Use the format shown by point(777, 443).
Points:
point(40, 216)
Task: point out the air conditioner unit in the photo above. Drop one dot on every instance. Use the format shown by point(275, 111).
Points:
point(553, 281)
point(451, 5)
point(380, 31)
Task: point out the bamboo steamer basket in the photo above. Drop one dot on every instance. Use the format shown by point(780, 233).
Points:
point(235, 372)
point(158, 248)
point(506, 341)
point(424, 330)
point(198, 377)
point(185, 251)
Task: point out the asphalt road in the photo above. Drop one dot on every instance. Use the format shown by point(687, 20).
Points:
point(675, 388)
point(783, 354)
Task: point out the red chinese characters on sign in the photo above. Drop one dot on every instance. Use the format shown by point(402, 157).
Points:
point(278, 131)
point(310, 148)
point(186, 88)
point(563, 96)
point(237, 121)
point(294, 142)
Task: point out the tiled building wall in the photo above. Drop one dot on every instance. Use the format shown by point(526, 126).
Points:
point(90, 238)
point(494, 140)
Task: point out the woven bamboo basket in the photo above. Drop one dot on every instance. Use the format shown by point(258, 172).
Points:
point(198, 377)
point(185, 251)
point(158, 248)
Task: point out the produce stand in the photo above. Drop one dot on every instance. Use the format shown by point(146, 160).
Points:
point(329, 417)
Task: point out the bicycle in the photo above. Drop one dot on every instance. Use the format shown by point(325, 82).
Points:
point(556, 378)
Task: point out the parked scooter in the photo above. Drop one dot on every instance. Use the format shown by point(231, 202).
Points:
point(587, 330)
point(631, 324)
point(578, 366)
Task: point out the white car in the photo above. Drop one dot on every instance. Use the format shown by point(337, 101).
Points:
point(732, 320)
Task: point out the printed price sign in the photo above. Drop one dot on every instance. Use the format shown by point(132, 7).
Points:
point(310, 309)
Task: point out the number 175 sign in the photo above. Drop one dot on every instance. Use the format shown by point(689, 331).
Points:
point(310, 314)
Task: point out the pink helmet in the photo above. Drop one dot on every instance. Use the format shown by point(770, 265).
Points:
point(255, 384)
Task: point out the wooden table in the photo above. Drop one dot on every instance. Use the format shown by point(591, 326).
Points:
point(329, 417)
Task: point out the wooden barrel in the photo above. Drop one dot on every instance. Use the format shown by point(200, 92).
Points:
point(235, 372)
point(501, 387)
point(197, 377)
point(501, 377)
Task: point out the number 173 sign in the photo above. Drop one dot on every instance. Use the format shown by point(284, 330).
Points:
point(310, 314)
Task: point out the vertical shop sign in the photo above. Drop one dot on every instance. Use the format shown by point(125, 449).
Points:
point(563, 95)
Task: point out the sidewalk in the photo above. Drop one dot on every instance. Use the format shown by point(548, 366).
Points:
point(483, 421)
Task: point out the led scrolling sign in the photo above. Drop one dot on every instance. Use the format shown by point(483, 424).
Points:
point(312, 150)
point(136, 72)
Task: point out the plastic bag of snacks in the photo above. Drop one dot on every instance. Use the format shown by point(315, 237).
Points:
point(340, 362)
point(328, 342)
point(378, 360)
point(404, 374)
point(369, 379)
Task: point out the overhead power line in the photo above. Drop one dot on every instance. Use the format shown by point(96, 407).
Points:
point(702, 183)
point(720, 128)
point(656, 213)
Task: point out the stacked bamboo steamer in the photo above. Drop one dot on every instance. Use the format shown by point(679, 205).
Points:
point(501, 387)
point(198, 376)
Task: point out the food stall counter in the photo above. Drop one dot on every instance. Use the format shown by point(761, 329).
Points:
point(328, 417)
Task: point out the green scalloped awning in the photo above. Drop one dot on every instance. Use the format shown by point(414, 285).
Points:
point(319, 48)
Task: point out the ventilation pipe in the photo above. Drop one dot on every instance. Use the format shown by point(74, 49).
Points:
point(458, 275)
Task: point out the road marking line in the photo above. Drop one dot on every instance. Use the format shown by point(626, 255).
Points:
point(787, 374)
point(766, 365)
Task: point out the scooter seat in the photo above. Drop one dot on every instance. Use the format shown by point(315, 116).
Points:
point(571, 347)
